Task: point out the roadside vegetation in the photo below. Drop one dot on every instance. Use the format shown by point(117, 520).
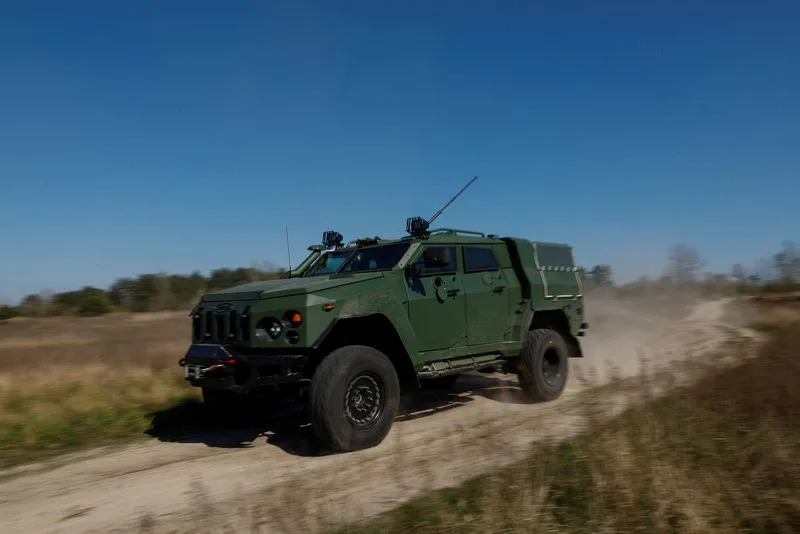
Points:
point(68, 383)
point(719, 455)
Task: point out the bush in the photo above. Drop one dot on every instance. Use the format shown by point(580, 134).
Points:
point(8, 312)
point(96, 304)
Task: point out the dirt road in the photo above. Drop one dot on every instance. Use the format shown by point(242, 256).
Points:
point(271, 478)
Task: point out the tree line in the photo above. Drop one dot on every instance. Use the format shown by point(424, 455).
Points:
point(161, 292)
point(147, 292)
point(685, 267)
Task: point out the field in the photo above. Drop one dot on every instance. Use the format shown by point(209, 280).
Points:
point(66, 383)
point(660, 431)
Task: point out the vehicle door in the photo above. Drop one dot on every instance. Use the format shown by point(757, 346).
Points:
point(436, 304)
point(487, 296)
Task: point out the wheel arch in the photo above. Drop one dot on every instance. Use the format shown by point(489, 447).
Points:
point(374, 330)
point(556, 319)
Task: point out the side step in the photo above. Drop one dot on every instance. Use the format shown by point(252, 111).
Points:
point(462, 365)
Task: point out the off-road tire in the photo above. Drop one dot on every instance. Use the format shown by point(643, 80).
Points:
point(342, 417)
point(439, 383)
point(543, 365)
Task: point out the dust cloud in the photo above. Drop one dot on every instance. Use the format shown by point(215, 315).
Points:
point(628, 336)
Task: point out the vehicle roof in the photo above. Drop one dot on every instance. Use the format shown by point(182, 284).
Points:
point(456, 236)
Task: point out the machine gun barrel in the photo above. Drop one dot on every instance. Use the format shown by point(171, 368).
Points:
point(451, 200)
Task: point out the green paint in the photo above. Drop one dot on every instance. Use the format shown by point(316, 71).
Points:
point(450, 295)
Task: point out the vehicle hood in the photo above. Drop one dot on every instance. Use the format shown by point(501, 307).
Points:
point(287, 287)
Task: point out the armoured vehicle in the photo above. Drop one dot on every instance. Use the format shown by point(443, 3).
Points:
point(356, 326)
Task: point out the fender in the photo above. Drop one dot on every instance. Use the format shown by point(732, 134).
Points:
point(375, 330)
point(556, 318)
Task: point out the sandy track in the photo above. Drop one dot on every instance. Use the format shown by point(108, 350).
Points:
point(271, 478)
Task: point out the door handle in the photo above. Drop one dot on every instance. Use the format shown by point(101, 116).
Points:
point(452, 292)
point(498, 289)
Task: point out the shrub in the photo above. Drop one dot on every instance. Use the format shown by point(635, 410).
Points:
point(8, 312)
point(95, 304)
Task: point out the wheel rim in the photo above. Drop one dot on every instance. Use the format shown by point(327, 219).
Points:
point(363, 400)
point(551, 367)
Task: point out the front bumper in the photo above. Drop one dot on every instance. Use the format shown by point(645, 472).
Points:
point(220, 367)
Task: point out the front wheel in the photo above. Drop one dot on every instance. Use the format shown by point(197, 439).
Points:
point(543, 365)
point(354, 398)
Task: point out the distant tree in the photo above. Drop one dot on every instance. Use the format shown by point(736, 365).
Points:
point(787, 262)
point(684, 263)
point(186, 289)
point(145, 292)
point(9, 312)
point(163, 298)
point(94, 304)
point(738, 273)
point(221, 278)
point(123, 293)
point(665, 281)
point(601, 275)
point(224, 278)
point(33, 304)
point(715, 278)
point(74, 301)
point(764, 269)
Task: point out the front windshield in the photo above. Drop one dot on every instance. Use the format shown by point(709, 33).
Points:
point(329, 262)
point(376, 258)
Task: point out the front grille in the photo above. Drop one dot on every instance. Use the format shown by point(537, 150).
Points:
point(209, 326)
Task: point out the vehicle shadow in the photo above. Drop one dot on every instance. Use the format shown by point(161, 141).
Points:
point(289, 429)
point(493, 387)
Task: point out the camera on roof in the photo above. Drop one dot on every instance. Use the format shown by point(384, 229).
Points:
point(332, 239)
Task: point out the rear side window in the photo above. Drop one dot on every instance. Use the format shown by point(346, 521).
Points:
point(479, 259)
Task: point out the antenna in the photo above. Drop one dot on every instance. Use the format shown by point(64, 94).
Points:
point(417, 226)
point(288, 250)
point(451, 200)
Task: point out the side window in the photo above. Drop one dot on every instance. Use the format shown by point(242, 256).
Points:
point(438, 260)
point(479, 259)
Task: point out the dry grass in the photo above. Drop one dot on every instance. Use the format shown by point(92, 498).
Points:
point(153, 341)
point(68, 382)
point(778, 316)
point(719, 455)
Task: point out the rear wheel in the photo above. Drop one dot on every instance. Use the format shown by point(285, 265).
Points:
point(353, 398)
point(543, 365)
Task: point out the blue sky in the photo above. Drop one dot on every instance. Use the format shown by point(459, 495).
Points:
point(166, 136)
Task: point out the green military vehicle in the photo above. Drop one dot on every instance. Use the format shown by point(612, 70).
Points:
point(356, 326)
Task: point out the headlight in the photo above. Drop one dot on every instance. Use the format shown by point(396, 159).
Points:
point(275, 329)
point(268, 328)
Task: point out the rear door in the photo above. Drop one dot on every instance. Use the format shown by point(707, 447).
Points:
point(436, 300)
point(487, 293)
